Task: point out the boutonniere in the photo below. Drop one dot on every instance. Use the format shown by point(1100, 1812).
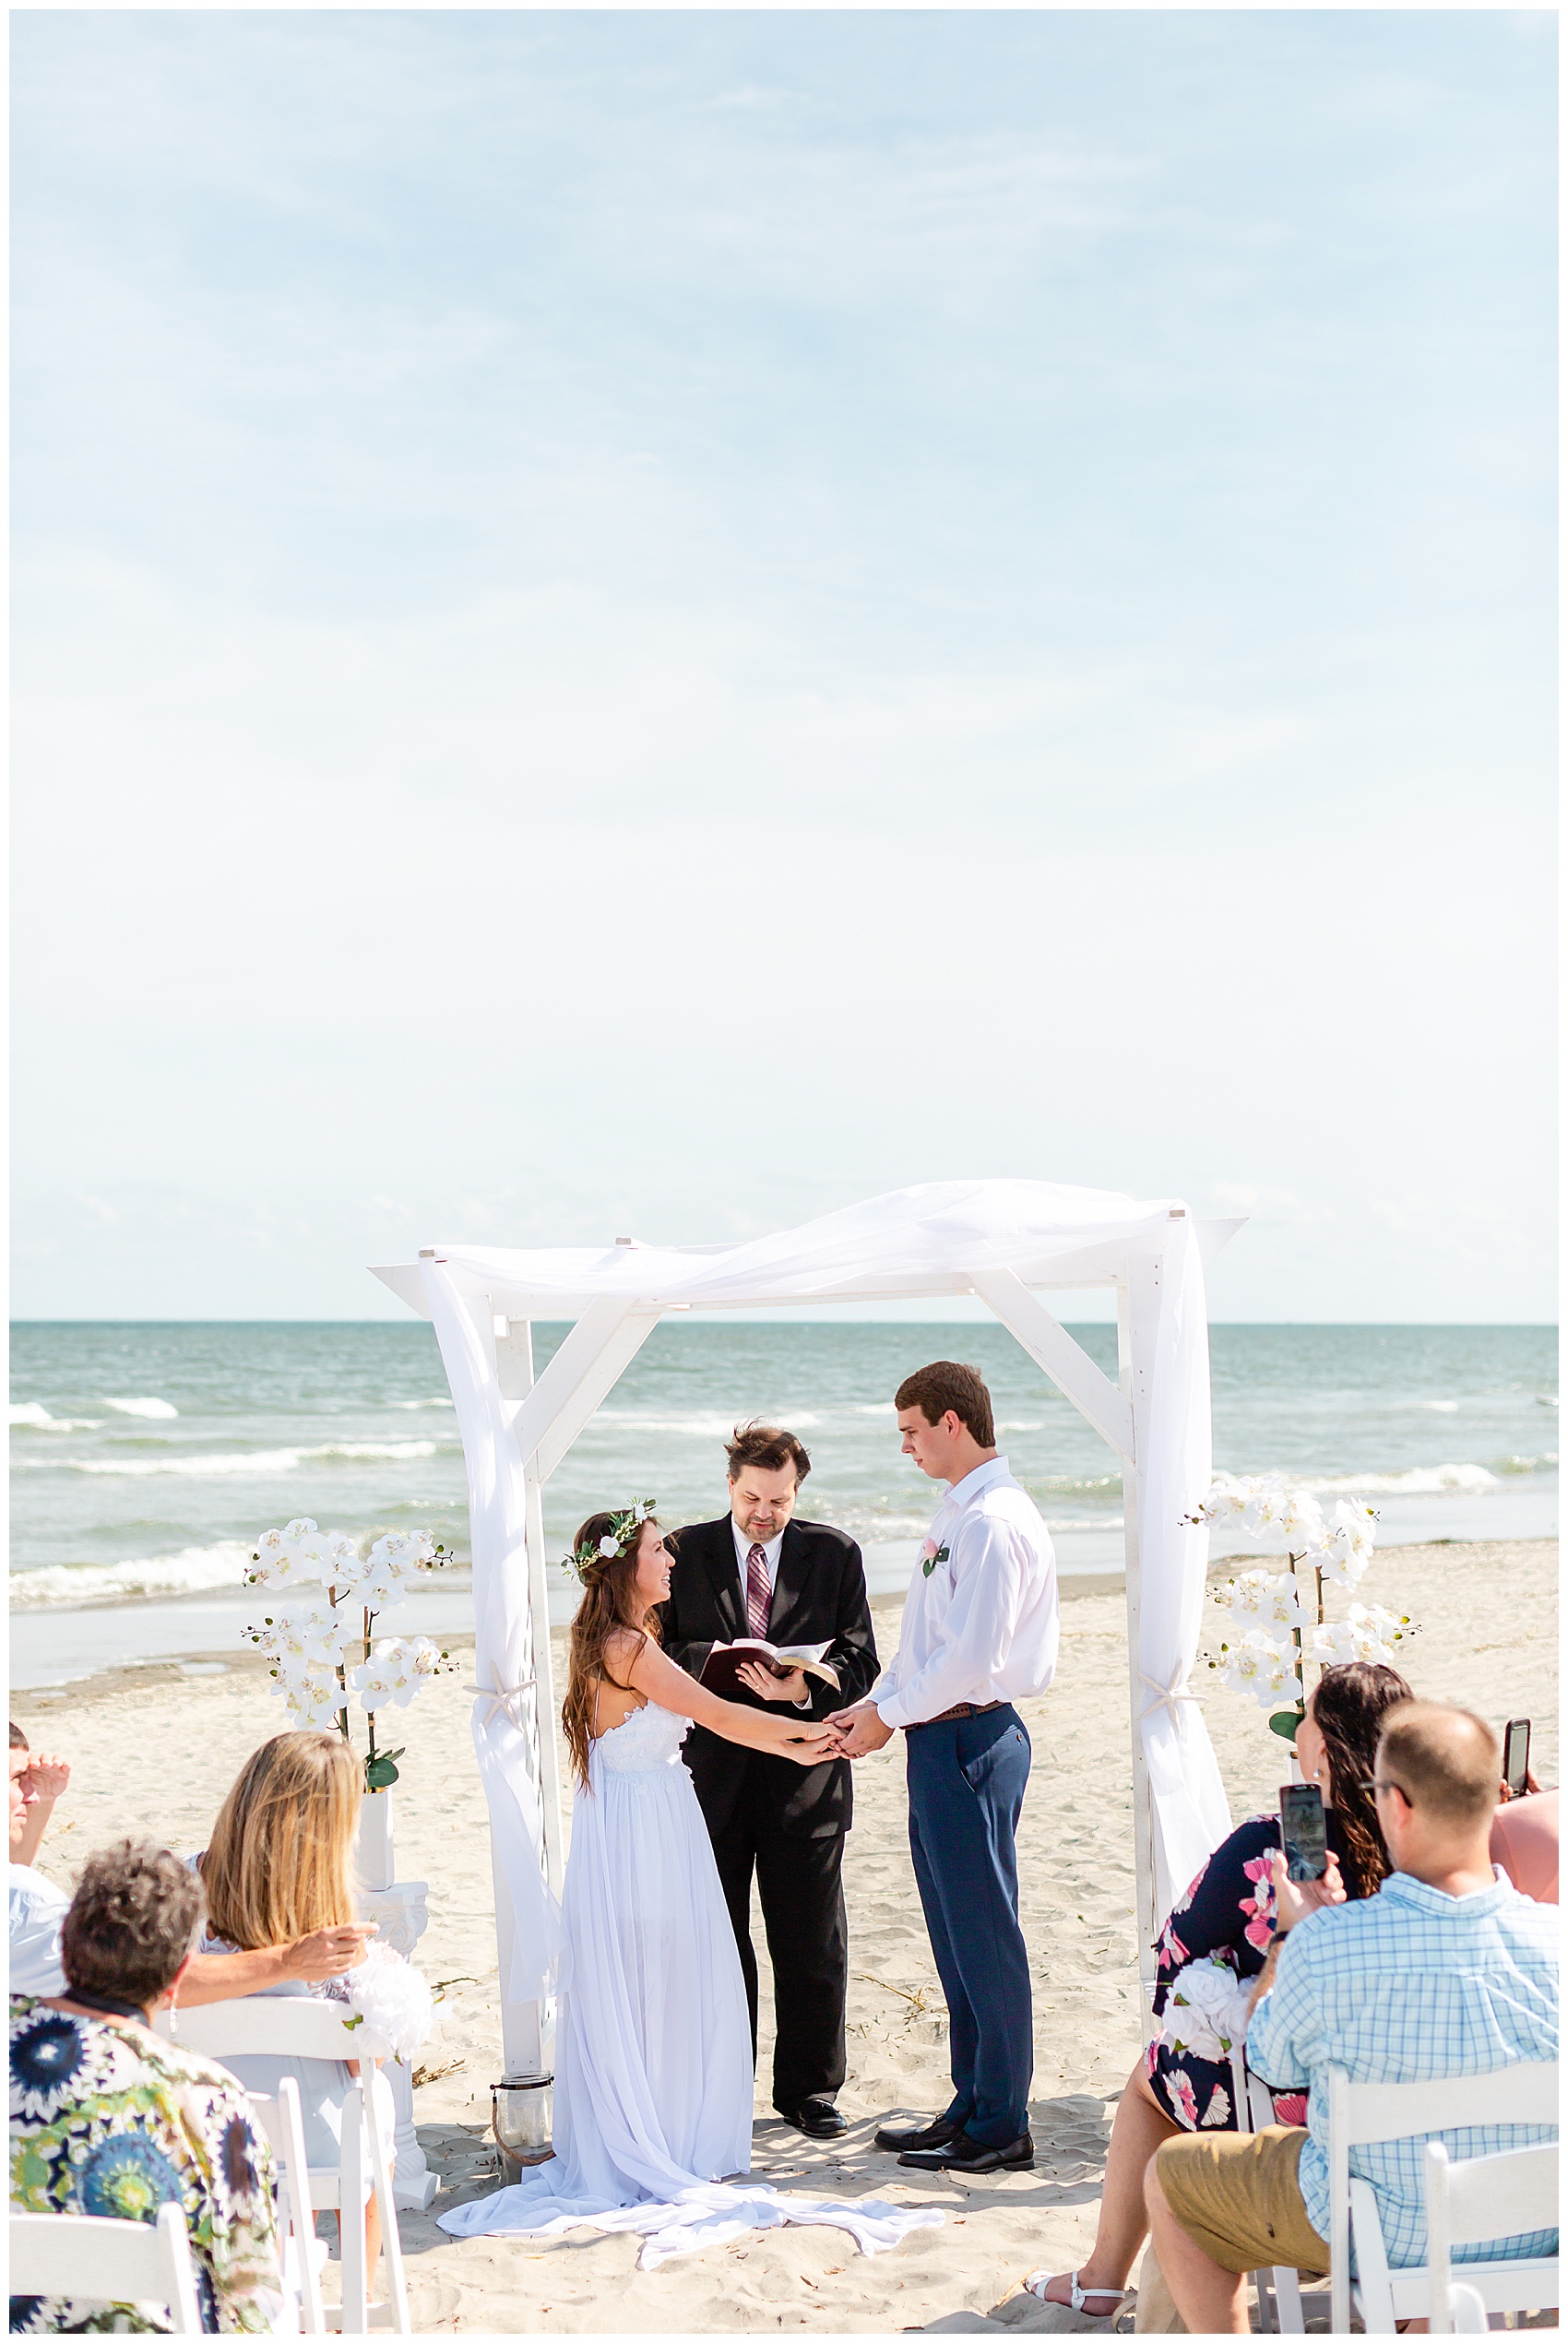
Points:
point(931, 1555)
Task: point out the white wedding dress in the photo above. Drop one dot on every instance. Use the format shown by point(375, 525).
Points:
point(653, 2075)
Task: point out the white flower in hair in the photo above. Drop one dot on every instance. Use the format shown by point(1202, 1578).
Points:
point(608, 1547)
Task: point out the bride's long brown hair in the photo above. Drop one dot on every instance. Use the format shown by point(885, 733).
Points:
point(611, 1605)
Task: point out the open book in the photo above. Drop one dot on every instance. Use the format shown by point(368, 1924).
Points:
point(720, 1670)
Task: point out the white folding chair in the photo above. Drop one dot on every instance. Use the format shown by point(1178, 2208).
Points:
point(1368, 2114)
point(1472, 2203)
point(300, 2026)
point(93, 2260)
point(1283, 2313)
point(300, 2250)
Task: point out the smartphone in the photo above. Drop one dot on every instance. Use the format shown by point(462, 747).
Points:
point(1303, 1832)
point(1516, 1755)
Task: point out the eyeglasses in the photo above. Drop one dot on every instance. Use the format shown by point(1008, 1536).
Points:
point(1378, 1788)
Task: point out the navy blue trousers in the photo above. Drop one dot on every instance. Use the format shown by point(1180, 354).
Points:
point(967, 1780)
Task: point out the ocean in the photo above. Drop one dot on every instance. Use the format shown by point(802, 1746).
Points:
point(147, 1459)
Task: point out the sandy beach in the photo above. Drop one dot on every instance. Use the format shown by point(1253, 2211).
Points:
point(156, 1751)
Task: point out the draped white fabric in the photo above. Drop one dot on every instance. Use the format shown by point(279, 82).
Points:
point(653, 2082)
point(1188, 1807)
point(505, 1729)
point(913, 1240)
point(917, 1241)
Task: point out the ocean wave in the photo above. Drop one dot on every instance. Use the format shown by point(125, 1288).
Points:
point(1420, 1480)
point(422, 1403)
point(262, 1462)
point(1438, 1407)
point(29, 1416)
point(196, 1570)
point(154, 1410)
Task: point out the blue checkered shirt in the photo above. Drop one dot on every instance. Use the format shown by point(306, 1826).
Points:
point(1408, 1987)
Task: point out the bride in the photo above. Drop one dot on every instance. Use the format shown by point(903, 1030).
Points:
point(653, 2079)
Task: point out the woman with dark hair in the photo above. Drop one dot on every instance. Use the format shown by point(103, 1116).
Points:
point(653, 2050)
point(1215, 1942)
point(107, 2118)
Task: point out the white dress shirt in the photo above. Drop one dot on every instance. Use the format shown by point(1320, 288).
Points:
point(981, 1625)
point(770, 1553)
point(743, 1555)
point(36, 1910)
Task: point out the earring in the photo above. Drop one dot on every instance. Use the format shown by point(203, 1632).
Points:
point(173, 2021)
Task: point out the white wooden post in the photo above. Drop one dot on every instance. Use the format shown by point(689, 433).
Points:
point(1137, 1314)
point(527, 2028)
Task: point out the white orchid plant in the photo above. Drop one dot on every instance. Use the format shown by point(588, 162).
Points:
point(1276, 1621)
point(319, 1635)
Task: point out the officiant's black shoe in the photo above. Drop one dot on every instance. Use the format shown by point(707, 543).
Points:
point(964, 2155)
point(935, 2135)
point(819, 2118)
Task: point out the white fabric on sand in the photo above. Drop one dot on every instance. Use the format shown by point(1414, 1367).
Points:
point(653, 2078)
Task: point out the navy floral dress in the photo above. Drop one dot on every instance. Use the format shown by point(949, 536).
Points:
point(1228, 1911)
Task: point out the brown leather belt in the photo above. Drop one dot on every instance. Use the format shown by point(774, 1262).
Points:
point(960, 1708)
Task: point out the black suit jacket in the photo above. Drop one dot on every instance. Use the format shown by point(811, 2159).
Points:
point(820, 1597)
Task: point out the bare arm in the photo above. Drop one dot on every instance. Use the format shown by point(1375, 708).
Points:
point(309, 1960)
point(46, 1778)
point(654, 1672)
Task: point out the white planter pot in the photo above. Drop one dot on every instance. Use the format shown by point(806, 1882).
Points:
point(373, 1858)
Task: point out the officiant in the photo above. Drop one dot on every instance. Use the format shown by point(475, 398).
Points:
point(759, 1572)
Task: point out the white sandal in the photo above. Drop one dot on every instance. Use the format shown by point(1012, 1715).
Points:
point(1038, 2280)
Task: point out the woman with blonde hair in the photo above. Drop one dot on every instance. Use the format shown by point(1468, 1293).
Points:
point(280, 1865)
point(653, 2046)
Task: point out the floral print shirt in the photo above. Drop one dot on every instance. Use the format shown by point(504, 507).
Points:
point(1228, 1911)
point(113, 2119)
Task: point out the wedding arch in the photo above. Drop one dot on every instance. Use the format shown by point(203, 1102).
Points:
point(1008, 1241)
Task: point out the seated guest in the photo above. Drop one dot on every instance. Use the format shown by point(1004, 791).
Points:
point(1227, 1915)
point(109, 2119)
point(277, 1867)
point(37, 1909)
point(1447, 1971)
point(44, 1781)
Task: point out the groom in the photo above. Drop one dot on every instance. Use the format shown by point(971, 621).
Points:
point(758, 1573)
point(979, 1631)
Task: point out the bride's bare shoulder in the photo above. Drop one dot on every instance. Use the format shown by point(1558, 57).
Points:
point(622, 1646)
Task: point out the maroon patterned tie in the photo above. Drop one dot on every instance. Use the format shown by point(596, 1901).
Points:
point(757, 1595)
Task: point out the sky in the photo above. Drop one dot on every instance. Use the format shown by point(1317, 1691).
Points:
point(655, 623)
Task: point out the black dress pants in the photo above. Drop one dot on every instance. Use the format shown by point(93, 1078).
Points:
point(808, 1944)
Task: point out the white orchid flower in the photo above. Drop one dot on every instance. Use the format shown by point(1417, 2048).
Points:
point(1260, 1666)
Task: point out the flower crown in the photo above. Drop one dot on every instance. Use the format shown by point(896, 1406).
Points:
point(623, 1530)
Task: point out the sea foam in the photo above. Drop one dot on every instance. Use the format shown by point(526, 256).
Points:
point(29, 1416)
point(198, 1570)
point(260, 1462)
point(154, 1410)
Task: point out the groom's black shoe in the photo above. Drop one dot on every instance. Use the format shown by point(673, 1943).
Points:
point(932, 2134)
point(819, 2118)
point(964, 2155)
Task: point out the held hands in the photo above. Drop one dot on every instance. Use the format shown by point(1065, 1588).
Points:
point(859, 1730)
point(808, 1744)
point(1294, 1898)
point(773, 1684)
point(328, 1952)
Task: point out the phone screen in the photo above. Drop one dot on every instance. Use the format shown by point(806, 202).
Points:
point(1516, 1755)
point(1304, 1831)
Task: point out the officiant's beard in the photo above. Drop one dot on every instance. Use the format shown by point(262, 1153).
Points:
point(761, 1502)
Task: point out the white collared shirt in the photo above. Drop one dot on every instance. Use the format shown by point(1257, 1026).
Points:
point(743, 1555)
point(37, 1909)
point(982, 1623)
